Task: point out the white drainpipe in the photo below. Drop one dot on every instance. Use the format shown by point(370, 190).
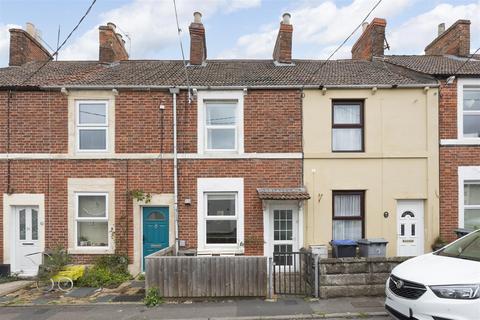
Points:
point(174, 91)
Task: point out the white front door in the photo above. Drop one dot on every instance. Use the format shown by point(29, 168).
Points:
point(410, 227)
point(284, 233)
point(25, 241)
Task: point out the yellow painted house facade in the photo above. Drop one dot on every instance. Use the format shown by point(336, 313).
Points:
point(371, 166)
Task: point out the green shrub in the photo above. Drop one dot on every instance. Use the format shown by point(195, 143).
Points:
point(53, 262)
point(107, 271)
point(152, 298)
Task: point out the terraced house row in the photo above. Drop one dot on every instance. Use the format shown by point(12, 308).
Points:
point(245, 157)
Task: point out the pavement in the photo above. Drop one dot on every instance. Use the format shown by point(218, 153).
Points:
point(241, 309)
point(9, 287)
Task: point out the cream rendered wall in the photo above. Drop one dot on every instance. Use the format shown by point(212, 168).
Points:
point(400, 160)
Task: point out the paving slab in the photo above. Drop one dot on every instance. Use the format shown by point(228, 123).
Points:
point(9, 287)
point(106, 298)
point(137, 284)
point(81, 292)
point(128, 298)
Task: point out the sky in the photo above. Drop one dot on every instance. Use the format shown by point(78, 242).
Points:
point(235, 29)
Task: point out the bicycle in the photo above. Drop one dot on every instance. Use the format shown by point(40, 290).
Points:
point(48, 277)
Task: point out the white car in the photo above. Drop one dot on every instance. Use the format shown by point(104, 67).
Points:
point(444, 285)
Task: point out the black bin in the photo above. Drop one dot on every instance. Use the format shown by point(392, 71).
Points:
point(344, 248)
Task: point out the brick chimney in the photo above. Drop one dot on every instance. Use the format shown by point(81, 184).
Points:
point(372, 41)
point(198, 43)
point(453, 41)
point(111, 45)
point(282, 53)
point(25, 46)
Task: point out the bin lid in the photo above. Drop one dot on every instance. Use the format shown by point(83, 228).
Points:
point(343, 243)
point(373, 241)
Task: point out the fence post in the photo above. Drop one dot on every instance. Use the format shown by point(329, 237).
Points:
point(317, 278)
point(270, 278)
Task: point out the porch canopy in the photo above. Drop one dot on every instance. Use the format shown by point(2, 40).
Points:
point(283, 193)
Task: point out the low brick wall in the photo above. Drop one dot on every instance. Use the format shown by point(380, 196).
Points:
point(350, 277)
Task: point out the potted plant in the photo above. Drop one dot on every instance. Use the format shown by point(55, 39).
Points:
point(84, 241)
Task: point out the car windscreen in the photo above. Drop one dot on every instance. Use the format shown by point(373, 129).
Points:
point(467, 247)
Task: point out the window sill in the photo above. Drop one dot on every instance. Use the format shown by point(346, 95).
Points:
point(92, 251)
point(221, 250)
point(461, 142)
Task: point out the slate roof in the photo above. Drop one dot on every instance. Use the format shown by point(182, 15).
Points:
point(437, 65)
point(283, 194)
point(216, 73)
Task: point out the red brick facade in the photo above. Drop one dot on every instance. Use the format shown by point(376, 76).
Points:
point(39, 124)
point(453, 41)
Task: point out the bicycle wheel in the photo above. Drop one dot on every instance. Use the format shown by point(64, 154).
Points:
point(65, 284)
point(45, 285)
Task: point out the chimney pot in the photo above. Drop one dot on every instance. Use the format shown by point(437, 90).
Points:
point(441, 28)
point(31, 30)
point(112, 25)
point(364, 26)
point(197, 17)
point(286, 18)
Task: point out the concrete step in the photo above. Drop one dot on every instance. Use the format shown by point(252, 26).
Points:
point(351, 291)
point(353, 279)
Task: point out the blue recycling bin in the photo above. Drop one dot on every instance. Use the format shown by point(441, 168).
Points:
point(344, 248)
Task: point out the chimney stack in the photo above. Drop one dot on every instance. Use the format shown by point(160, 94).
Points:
point(111, 45)
point(25, 46)
point(198, 43)
point(372, 41)
point(282, 53)
point(453, 41)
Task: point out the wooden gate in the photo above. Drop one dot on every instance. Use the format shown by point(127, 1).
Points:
point(293, 273)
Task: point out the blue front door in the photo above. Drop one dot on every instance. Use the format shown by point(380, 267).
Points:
point(155, 230)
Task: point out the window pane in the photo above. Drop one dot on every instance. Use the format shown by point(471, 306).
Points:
point(472, 219)
point(471, 125)
point(221, 205)
point(92, 113)
point(92, 206)
point(280, 259)
point(221, 113)
point(347, 139)
point(221, 139)
point(346, 114)
point(92, 234)
point(472, 194)
point(221, 231)
point(347, 205)
point(347, 229)
point(282, 225)
point(22, 224)
point(93, 139)
point(471, 99)
point(156, 216)
point(34, 224)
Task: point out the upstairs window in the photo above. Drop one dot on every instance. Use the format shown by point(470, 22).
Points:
point(92, 126)
point(347, 126)
point(221, 125)
point(471, 112)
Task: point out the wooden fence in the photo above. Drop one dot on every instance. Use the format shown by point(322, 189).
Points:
point(182, 276)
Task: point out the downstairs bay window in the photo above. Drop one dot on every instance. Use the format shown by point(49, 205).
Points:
point(348, 215)
point(91, 220)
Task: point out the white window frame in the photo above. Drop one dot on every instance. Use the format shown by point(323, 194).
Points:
point(217, 186)
point(465, 175)
point(465, 84)
point(203, 97)
point(93, 126)
point(222, 126)
point(219, 218)
point(98, 219)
